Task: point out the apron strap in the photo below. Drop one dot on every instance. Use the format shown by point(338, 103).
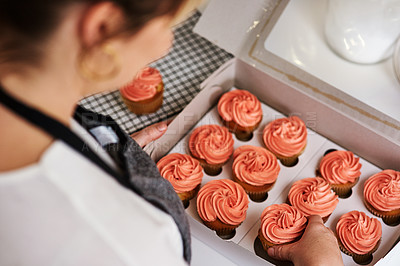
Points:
point(152, 187)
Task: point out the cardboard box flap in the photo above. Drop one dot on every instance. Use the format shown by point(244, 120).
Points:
point(233, 22)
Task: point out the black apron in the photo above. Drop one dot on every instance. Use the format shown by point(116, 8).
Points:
point(138, 171)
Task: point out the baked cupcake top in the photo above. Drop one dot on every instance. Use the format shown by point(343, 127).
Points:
point(382, 190)
point(285, 136)
point(241, 107)
point(313, 195)
point(181, 170)
point(340, 167)
point(212, 143)
point(144, 86)
point(358, 232)
point(222, 199)
point(282, 223)
point(255, 165)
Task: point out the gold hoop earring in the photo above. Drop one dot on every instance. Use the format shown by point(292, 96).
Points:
point(90, 73)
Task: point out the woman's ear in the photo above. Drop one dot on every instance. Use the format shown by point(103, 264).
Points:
point(99, 22)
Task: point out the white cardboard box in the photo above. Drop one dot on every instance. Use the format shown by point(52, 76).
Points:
point(236, 73)
point(338, 117)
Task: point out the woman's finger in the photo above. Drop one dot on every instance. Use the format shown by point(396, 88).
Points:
point(150, 133)
point(281, 252)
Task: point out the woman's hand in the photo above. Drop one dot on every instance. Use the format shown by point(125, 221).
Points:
point(318, 246)
point(150, 133)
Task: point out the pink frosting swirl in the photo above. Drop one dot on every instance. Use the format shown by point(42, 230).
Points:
point(358, 232)
point(313, 195)
point(222, 199)
point(286, 136)
point(181, 170)
point(241, 107)
point(212, 143)
point(144, 86)
point(255, 165)
point(382, 190)
point(282, 223)
point(340, 167)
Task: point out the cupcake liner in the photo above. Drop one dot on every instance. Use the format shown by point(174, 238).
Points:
point(241, 133)
point(261, 251)
point(223, 230)
point(362, 259)
point(187, 196)
point(265, 243)
point(256, 193)
point(391, 221)
point(146, 106)
point(343, 190)
point(226, 233)
point(258, 196)
point(391, 218)
point(210, 169)
point(358, 258)
point(289, 161)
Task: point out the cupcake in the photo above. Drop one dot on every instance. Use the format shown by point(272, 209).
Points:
point(342, 170)
point(358, 236)
point(256, 170)
point(382, 196)
point(184, 173)
point(144, 94)
point(212, 145)
point(286, 138)
point(222, 206)
point(241, 113)
point(281, 224)
point(313, 196)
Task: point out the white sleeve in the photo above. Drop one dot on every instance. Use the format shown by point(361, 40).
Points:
point(66, 211)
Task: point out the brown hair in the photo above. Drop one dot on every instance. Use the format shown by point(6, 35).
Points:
point(25, 24)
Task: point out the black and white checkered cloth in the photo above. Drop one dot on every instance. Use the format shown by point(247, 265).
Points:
point(191, 60)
